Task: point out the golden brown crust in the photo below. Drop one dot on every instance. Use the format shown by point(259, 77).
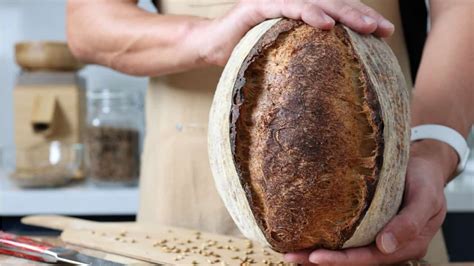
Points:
point(306, 134)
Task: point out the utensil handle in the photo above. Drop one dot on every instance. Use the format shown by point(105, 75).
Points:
point(25, 247)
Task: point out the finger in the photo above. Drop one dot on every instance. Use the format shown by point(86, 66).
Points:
point(369, 255)
point(301, 257)
point(316, 17)
point(273, 9)
point(420, 207)
point(384, 27)
point(291, 9)
point(310, 13)
point(434, 223)
point(349, 15)
point(354, 256)
point(300, 9)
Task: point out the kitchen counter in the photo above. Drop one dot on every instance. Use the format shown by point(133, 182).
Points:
point(139, 241)
point(77, 199)
point(9, 260)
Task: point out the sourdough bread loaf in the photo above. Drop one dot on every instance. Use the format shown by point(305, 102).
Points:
point(309, 136)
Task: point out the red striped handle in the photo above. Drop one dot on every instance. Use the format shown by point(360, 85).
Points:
point(25, 247)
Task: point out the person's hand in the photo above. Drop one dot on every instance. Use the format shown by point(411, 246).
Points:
point(408, 234)
point(215, 39)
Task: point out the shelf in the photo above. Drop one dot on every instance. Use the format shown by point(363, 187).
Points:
point(79, 199)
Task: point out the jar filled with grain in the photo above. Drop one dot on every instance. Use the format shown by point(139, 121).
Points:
point(114, 128)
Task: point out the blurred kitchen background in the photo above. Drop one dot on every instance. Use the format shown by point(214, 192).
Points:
point(49, 170)
point(40, 176)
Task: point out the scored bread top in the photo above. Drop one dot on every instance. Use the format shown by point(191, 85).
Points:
point(306, 134)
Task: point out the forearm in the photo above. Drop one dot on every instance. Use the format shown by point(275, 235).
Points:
point(129, 39)
point(444, 91)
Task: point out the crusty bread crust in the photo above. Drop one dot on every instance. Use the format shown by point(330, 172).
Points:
point(306, 132)
point(303, 122)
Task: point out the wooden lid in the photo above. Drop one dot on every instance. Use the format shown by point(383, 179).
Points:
point(46, 55)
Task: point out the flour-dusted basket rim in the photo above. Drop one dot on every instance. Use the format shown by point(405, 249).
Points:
point(386, 77)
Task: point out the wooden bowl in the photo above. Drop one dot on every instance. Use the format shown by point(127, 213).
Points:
point(46, 55)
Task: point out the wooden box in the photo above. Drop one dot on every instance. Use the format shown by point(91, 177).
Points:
point(48, 106)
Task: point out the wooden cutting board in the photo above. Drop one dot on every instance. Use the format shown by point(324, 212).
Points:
point(157, 244)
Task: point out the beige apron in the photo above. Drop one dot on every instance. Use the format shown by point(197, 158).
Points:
point(176, 183)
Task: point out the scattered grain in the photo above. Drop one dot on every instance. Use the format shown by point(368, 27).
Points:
point(249, 244)
point(166, 249)
point(211, 242)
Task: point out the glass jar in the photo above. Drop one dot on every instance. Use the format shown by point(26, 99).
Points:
point(45, 165)
point(113, 133)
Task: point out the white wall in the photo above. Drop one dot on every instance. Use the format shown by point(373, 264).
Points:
point(22, 20)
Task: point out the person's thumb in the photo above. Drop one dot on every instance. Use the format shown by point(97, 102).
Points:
point(399, 231)
point(420, 206)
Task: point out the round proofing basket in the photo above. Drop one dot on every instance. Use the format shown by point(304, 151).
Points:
point(46, 55)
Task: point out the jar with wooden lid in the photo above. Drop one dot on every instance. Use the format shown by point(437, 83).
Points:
point(114, 128)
